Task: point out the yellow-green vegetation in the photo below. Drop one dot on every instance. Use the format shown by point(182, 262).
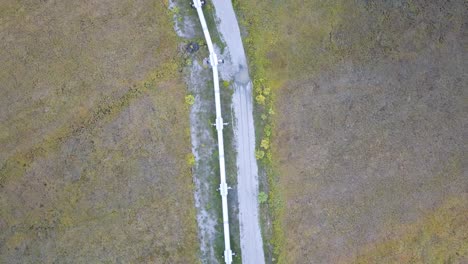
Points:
point(226, 84)
point(367, 130)
point(94, 164)
point(190, 160)
point(259, 154)
point(262, 197)
point(189, 99)
point(439, 237)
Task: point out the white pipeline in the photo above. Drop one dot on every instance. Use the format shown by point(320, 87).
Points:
point(219, 128)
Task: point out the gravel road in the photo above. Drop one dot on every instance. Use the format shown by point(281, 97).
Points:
point(236, 65)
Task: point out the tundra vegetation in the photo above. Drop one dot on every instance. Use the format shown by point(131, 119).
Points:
point(95, 149)
point(360, 115)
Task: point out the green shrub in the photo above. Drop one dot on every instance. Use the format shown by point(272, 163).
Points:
point(260, 99)
point(190, 159)
point(189, 99)
point(259, 154)
point(262, 197)
point(265, 143)
point(267, 130)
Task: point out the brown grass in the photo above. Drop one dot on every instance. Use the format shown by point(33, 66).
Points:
point(94, 135)
point(368, 135)
point(439, 237)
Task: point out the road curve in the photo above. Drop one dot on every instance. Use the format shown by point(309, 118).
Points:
point(247, 174)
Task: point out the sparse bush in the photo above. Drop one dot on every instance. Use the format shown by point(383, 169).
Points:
point(259, 154)
point(267, 130)
point(260, 99)
point(265, 143)
point(175, 10)
point(269, 156)
point(262, 197)
point(189, 99)
point(271, 111)
point(190, 159)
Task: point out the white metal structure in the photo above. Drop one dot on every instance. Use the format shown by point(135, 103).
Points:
point(223, 188)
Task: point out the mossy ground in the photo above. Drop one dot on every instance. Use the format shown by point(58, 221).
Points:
point(364, 99)
point(94, 135)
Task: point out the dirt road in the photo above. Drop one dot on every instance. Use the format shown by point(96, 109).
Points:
point(250, 235)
